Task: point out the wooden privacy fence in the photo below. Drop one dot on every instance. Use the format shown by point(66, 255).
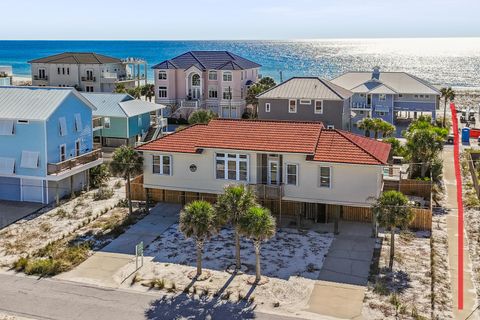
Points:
point(471, 157)
point(417, 188)
point(288, 209)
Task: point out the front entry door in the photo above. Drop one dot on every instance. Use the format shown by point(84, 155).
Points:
point(273, 172)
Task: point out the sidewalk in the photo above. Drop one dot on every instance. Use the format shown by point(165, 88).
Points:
point(470, 297)
point(100, 268)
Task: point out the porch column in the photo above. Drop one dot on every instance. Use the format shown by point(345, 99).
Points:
point(72, 193)
point(57, 196)
point(88, 179)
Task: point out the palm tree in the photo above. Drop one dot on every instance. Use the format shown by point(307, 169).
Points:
point(446, 94)
point(386, 128)
point(197, 221)
point(201, 116)
point(231, 206)
point(366, 124)
point(120, 88)
point(126, 162)
point(148, 91)
point(392, 211)
point(257, 224)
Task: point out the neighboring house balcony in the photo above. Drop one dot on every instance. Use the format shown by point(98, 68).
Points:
point(113, 77)
point(361, 106)
point(269, 191)
point(97, 123)
point(38, 78)
point(60, 170)
point(89, 79)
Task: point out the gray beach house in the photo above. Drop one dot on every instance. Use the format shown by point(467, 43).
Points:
point(307, 99)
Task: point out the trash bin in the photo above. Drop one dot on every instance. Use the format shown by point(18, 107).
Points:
point(466, 135)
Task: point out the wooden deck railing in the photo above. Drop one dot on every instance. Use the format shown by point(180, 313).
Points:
point(56, 168)
point(268, 191)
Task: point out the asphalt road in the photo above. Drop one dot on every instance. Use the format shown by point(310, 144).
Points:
point(59, 300)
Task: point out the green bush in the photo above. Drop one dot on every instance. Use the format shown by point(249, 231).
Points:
point(471, 201)
point(43, 267)
point(20, 264)
point(99, 176)
point(103, 194)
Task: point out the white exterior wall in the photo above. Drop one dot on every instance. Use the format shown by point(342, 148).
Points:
point(353, 185)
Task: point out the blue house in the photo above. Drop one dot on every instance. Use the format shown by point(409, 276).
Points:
point(47, 143)
point(390, 96)
point(119, 119)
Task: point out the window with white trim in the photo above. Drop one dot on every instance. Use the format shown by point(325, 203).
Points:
point(212, 92)
point(291, 174)
point(231, 166)
point(380, 113)
point(162, 75)
point(63, 126)
point(330, 126)
point(162, 165)
point(7, 128)
point(106, 122)
point(292, 106)
point(212, 75)
point(78, 122)
point(227, 76)
point(318, 107)
point(267, 107)
point(29, 159)
point(325, 177)
point(382, 97)
point(305, 101)
point(78, 147)
point(227, 93)
point(162, 92)
point(63, 152)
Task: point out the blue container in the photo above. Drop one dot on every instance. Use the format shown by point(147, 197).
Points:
point(466, 135)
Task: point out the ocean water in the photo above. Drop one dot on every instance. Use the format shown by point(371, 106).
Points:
point(442, 61)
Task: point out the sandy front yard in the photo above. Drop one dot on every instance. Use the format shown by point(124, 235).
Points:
point(52, 223)
point(291, 261)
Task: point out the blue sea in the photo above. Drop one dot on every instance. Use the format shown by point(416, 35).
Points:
point(442, 61)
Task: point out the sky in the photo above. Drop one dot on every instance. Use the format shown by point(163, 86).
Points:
point(237, 19)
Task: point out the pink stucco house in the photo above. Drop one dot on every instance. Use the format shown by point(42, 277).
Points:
point(215, 80)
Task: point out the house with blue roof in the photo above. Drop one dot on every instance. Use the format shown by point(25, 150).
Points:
point(388, 95)
point(47, 143)
point(119, 119)
point(214, 80)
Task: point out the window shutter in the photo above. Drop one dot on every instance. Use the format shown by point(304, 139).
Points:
point(29, 159)
point(78, 122)
point(63, 126)
point(6, 128)
point(7, 166)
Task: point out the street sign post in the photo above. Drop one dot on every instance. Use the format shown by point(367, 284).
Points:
point(139, 252)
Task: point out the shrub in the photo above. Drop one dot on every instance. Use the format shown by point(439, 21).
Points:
point(103, 194)
point(43, 267)
point(20, 264)
point(99, 176)
point(471, 201)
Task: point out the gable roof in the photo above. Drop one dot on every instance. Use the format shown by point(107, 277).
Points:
point(34, 103)
point(77, 58)
point(400, 82)
point(119, 105)
point(306, 88)
point(309, 138)
point(208, 60)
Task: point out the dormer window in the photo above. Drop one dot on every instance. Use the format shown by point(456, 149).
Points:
point(212, 75)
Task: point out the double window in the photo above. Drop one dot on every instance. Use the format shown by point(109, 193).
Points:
point(162, 92)
point(212, 75)
point(227, 76)
point(213, 92)
point(227, 93)
point(231, 166)
point(162, 165)
point(292, 173)
point(325, 177)
point(292, 106)
point(162, 75)
point(318, 107)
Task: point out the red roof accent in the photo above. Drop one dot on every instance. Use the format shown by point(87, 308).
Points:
point(309, 138)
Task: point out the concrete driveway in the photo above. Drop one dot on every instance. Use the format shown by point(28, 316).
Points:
point(342, 281)
point(11, 211)
point(100, 268)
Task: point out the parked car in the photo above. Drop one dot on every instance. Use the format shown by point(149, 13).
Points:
point(450, 139)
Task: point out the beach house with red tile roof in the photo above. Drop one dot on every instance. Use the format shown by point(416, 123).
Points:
point(302, 164)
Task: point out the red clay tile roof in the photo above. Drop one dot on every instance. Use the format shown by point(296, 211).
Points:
point(309, 138)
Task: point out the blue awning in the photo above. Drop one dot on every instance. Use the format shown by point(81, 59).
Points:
point(382, 109)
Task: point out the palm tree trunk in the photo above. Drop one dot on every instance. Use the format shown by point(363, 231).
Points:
point(129, 194)
point(392, 247)
point(199, 256)
point(367, 133)
point(238, 263)
point(376, 134)
point(258, 274)
point(444, 112)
